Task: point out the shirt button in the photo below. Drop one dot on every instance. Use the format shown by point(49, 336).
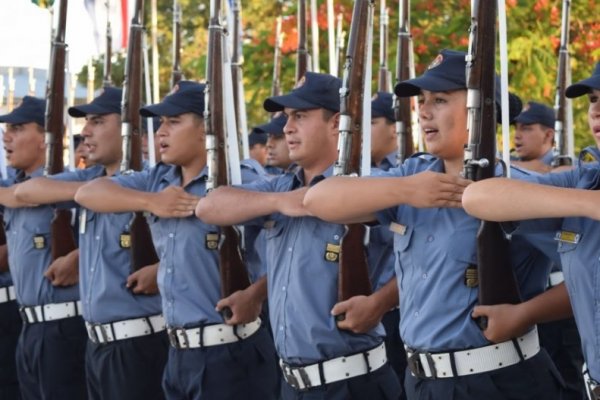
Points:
point(171, 235)
point(169, 270)
point(289, 249)
point(92, 269)
point(281, 327)
point(430, 238)
point(416, 313)
point(336, 237)
point(97, 237)
point(425, 276)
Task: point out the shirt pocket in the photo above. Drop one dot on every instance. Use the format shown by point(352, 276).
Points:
point(402, 249)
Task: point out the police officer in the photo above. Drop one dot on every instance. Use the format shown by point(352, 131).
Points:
point(449, 357)
point(257, 141)
point(384, 142)
point(278, 155)
point(208, 359)
point(319, 361)
point(51, 347)
point(577, 237)
point(127, 346)
point(534, 137)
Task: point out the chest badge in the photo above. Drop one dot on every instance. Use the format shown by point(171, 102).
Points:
point(332, 252)
point(471, 277)
point(212, 241)
point(39, 242)
point(125, 240)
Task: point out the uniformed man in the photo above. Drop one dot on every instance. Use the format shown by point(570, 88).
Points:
point(127, 346)
point(534, 137)
point(318, 359)
point(51, 348)
point(257, 141)
point(577, 237)
point(384, 140)
point(435, 243)
point(208, 359)
point(278, 155)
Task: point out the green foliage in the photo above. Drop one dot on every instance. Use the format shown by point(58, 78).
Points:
point(533, 32)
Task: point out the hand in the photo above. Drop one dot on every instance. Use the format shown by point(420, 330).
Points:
point(505, 321)
point(173, 202)
point(244, 305)
point(4, 258)
point(64, 271)
point(361, 314)
point(143, 281)
point(291, 203)
point(434, 189)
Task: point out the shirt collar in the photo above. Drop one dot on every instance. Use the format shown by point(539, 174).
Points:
point(173, 174)
point(298, 178)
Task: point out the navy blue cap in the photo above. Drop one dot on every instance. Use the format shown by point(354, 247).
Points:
point(257, 137)
point(31, 109)
point(382, 106)
point(274, 126)
point(108, 101)
point(536, 113)
point(312, 91)
point(585, 86)
point(446, 72)
point(185, 97)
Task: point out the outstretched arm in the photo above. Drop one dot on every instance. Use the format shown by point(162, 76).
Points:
point(43, 190)
point(229, 206)
point(501, 199)
point(346, 199)
point(103, 195)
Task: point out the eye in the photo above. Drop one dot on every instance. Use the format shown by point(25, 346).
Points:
point(593, 99)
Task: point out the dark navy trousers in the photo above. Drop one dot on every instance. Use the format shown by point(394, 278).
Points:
point(10, 328)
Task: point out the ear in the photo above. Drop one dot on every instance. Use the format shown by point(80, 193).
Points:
point(549, 135)
point(335, 121)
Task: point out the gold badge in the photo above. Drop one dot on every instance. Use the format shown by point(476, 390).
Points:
point(39, 242)
point(332, 252)
point(567, 237)
point(125, 240)
point(398, 228)
point(212, 241)
point(471, 277)
point(437, 61)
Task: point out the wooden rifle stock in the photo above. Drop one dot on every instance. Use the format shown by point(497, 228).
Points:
point(402, 106)
point(383, 81)
point(497, 282)
point(561, 127)
point(142, 250)
point(176, 74)
point(302, 59)
point(234, 275)
point(62, 238)
point(353, 279)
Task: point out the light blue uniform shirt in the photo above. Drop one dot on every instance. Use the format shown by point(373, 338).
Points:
point(28, 263)
point(302, 284)
point(104, 265)
point(434, 248)
point(577, 241)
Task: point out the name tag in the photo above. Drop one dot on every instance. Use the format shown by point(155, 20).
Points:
point(125, 240)
point(212, 241)
point(398, 228)
point(39, 242)
point(332, 252)
point(269, 224)
point(567, 237)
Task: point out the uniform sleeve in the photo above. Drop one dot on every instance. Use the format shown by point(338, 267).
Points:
point(137, 180)
point(387, 216)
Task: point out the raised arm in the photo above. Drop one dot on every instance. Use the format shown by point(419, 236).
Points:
point(229, 206)
point(104, 195)
point(349, 199)
point(43, 190)
point(501, 199)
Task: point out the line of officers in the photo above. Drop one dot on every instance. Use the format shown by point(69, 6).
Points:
point(85, 326)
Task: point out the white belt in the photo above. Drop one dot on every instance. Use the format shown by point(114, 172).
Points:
point(211, 335)
point(126, 329)
point(50, 312)
point(7, 294)
point(556, 278)
point(336, 369)
point(474, 361)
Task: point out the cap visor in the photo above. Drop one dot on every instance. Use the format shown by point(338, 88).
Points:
point(583, 87)
point(279, 103)
point(413, 87)
point(162, 110)
point(13, 118)
point(85, 109)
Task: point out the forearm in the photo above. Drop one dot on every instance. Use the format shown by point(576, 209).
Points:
point(8, 198)
point(387, 296)
point(43, 190)
point(103, 195)
point(552, 305)
point(229, 206)
point(258, 289)
point(501, 199)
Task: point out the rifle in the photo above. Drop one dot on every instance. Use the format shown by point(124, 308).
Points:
point(497, 282)
point(234, 275)
point(62, 239)
point(561, 129)
point(402, 108)
point(383, 83)
point(237, 59)
point(340, 39)
point(353, 277)
point(302, 59)
point(108, 56)
point(176, 74)
point(276, 85)
point(141, 248)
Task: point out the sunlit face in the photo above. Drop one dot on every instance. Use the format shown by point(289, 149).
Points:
point(258, 152)
point(383, 138)
point(443, 121)
point(310, 136)
point(278, 154)
point(181, 139)
point(594, 115)
point(532, 141)
point(102, 136)
point(24, 146)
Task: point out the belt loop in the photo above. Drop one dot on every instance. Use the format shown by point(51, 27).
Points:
point(112, 330)
point(321, 373)
point(515, 342)
point(147, 319)
point(42, 312)
point(366, 358)
point(235, 332)
point(453, 364)
point(202, 336)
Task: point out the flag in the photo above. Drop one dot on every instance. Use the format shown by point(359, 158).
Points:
point(43, 3)
point(119, 13)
